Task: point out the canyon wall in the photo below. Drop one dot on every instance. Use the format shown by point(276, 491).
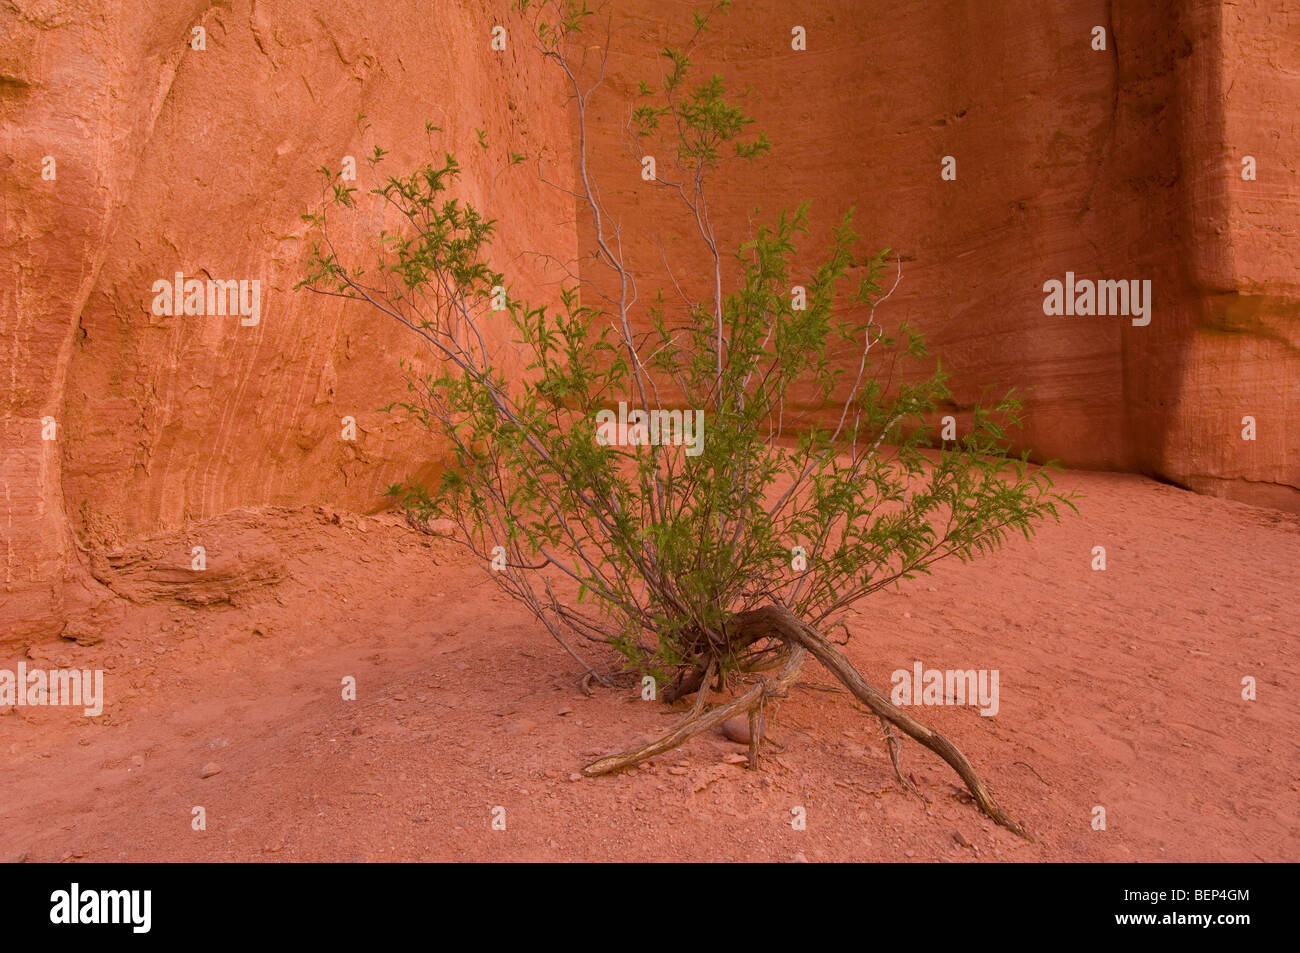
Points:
point(1122, 162)
point(166, 159)
point(1115, 163)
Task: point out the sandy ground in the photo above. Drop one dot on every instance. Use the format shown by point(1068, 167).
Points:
point(1119, 689)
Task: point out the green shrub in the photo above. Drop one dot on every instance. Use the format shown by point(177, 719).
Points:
point(808, 488)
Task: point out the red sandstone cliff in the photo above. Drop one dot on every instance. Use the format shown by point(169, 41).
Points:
point(172, 159)
point(1123, 163)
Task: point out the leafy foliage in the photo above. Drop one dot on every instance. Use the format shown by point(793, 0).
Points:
point(651, 547)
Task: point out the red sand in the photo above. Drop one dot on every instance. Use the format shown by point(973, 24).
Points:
point(1119, 688)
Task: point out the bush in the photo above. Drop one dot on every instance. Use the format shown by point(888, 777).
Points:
point(731, 523)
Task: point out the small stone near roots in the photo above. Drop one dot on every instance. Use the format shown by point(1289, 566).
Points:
point(737, 729)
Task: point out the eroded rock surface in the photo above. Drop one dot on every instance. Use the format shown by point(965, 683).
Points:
point(1118, 163)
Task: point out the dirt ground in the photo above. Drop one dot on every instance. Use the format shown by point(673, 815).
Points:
point(1120, 689)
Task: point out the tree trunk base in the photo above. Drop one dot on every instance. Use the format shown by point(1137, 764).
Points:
point(801, 640)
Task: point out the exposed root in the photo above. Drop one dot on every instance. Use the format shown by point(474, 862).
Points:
point(780, 624)
point(698, 722)
point(687, 684)
point(893, 756)
point(1031, 768)
point(685, 731)
point(755, 733)
point(702, 694)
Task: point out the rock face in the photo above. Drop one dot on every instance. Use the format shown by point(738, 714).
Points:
point(1116, 163)
point(165, 159)
point(1122, 163)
